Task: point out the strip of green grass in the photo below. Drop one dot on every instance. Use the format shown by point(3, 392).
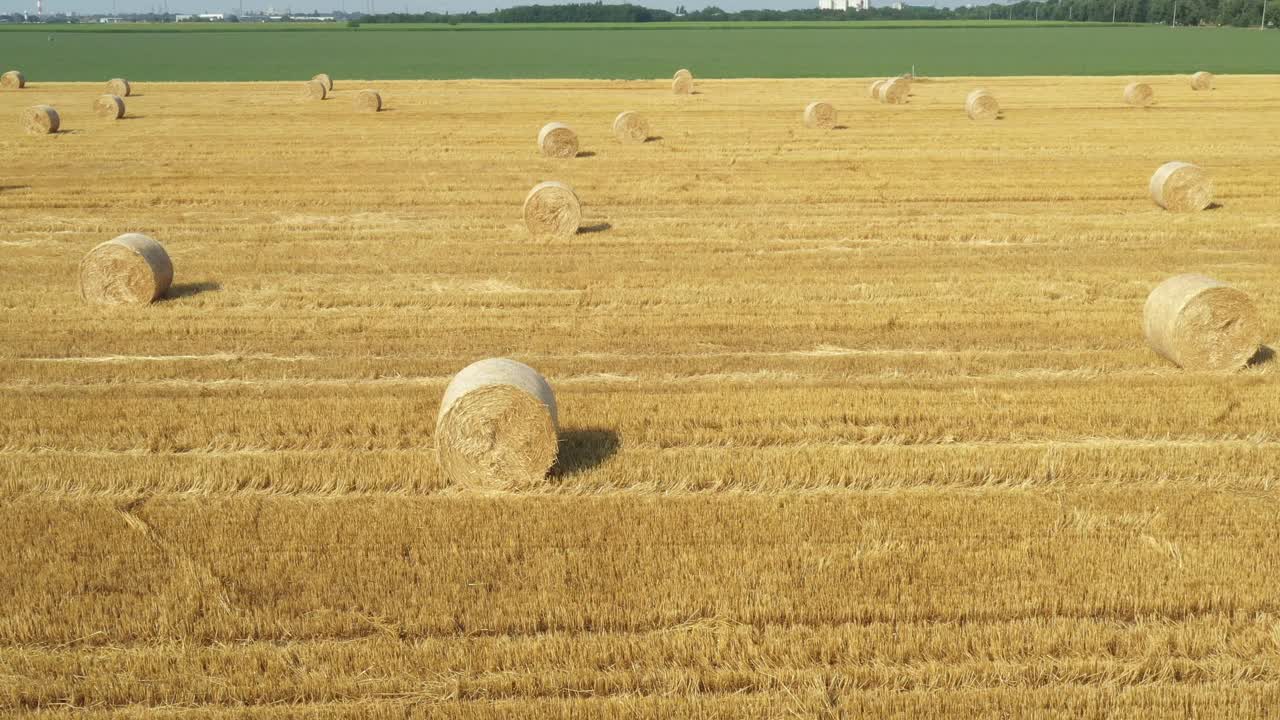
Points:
point(748, 51)
point(503, 27)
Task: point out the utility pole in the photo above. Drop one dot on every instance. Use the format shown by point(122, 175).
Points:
point(1175, 13)
point(1263, 26)
point(1113, 12)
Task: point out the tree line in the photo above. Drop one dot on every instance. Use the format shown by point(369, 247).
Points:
point(1240, 13)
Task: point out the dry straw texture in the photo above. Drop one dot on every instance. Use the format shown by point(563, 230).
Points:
point(119, 86)
point(497, 426)
point(40, 120)
point(631, 127)
point(109, 107)
point(682, 73)
point(1202, 81)
point(1199, 323)
point(874, 89)
point(1139, 94)
point(895, 91)
point(368, 101)
point(558, 140)
point(132, 269)
point(324, 78)
point(933, 472)
point(13, 80)
point(682, 85)
point(1181, 187)
point(316, 90)
point(982, 105)
point(552, 210)
point(820, 115)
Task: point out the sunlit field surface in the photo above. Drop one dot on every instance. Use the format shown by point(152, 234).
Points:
point(855, 423)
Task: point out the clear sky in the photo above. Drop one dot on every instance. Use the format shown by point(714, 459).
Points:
point(301, 6)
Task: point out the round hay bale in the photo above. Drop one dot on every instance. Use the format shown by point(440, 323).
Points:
point(1199, 323)
point(369, 101)
point(631, 127)
point(316, 90)
point(109, 107)
point(1181, 187)
point(981, 105)
point(40, 120)
point(324, 78)
point(1202, 81)
point(119, 86)
point(682, 85)
point(497, 426)
point(874, 90)
point(895, 91)
point(558, 140)
point(131, 269)
point(552, 210)
point(820, 115)
point(1139, 94)
point(13, 80)
point(682, 73)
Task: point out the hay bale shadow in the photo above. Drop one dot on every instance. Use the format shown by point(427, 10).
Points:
point(1264, 355)
point(596, 228)
point(583, 450)
point(177, 291)
point(586, 154)
point(653, 139)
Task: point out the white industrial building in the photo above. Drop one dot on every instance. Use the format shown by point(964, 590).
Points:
point(845, 5)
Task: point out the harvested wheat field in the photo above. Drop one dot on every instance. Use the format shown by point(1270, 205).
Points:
point(860, 423)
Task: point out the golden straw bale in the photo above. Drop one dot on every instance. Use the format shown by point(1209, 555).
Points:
point(368, 101)
point(1181, 187)
point(131, 269)
point(316, 90)
point(552, 210)
point(981, 105)
point(497, 426)
point(1139, 94)
point(631, 127)
point(895, 91)
point(120, 87)
point(1199, 323)
point(109, 107)
point(820, 115)
point(558, 140)
point(13, 80)
point(40, 120)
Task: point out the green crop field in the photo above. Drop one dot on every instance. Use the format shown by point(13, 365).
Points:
point(634, 51)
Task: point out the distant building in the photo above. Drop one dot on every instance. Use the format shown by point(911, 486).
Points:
point(844, 5)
